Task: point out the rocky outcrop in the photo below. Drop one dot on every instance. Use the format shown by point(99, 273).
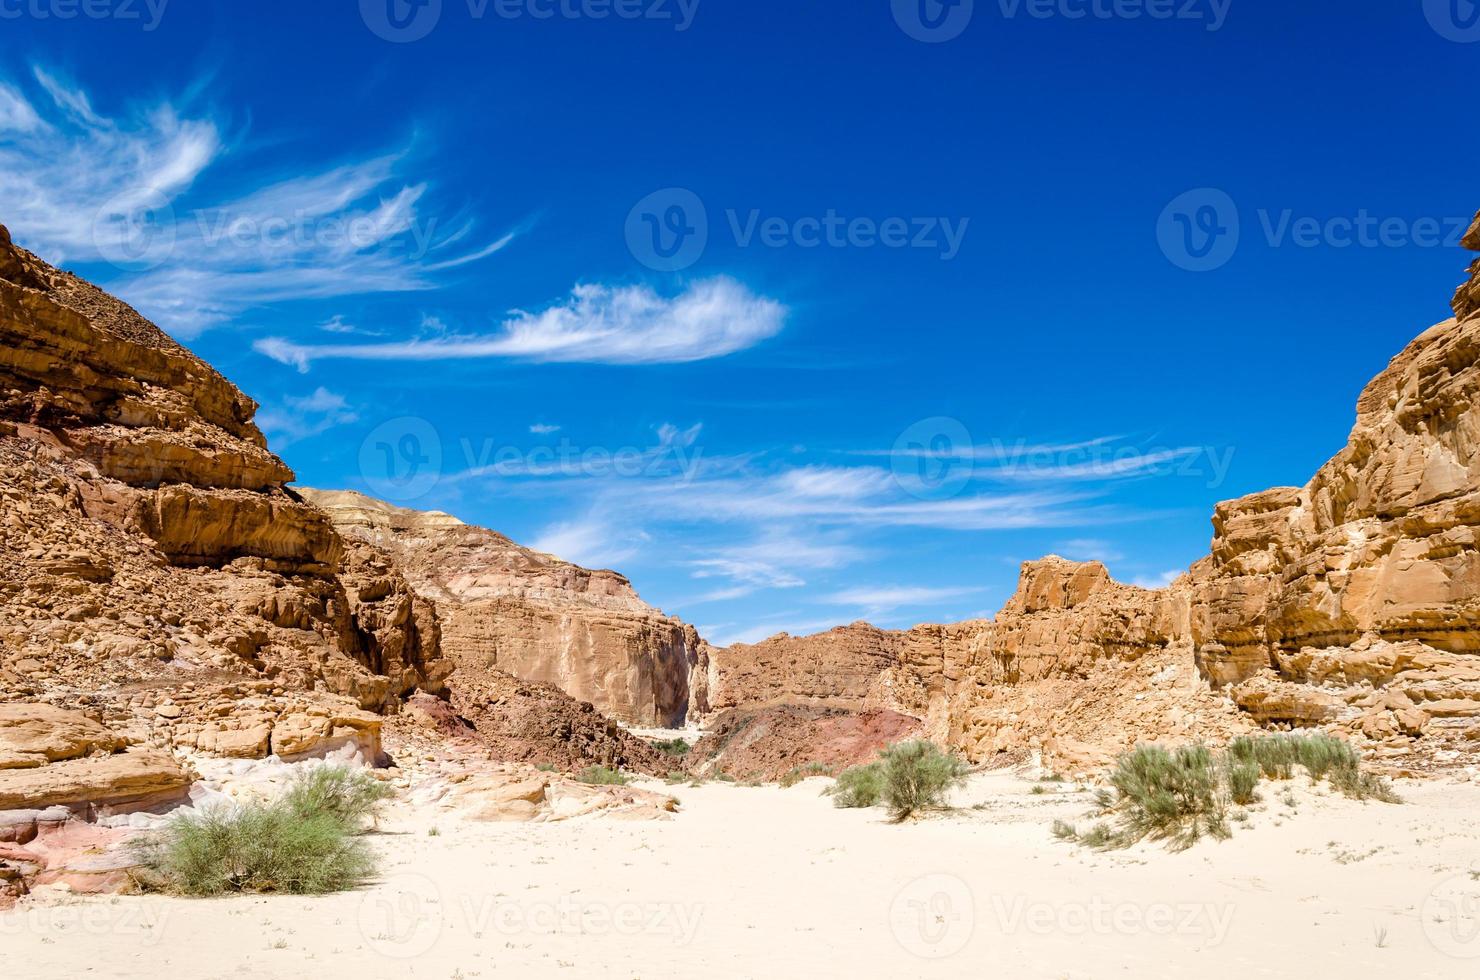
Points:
point(157, 573)
point(1352, 603)
point(772, 742)
point(515, 720)
point(52, 757)
point(504, 607)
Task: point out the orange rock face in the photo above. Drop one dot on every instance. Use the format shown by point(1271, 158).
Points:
point(155, 570)
point(505, 607)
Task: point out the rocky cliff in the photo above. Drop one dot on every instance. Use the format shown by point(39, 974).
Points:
point(155, 572)
point(1351, 603)
point(505, 607)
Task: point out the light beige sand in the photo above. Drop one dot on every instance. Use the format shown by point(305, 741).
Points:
point(769, 882)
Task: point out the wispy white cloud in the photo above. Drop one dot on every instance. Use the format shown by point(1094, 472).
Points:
point(83, 186)
point(591, 541)
point(1158, 581)
point(768, 628)
point(895, 596)
point(875, 602)
point(596, 324)
point(543, 429)
point(1089, 549)
point(300, 418)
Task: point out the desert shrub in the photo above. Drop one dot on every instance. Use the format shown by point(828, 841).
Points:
point(858, 786)
point(1243, 781)
point(349, 795)
point(1361, 785)
point(1321, 756)
point(1173, 796)
point(1182, 795)
point(917, 775)
point(1064, 831)
point(256, 847)
point(800, 773)
point(673, 746)
point(602, 776)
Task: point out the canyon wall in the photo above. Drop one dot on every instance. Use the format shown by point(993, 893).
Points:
point(155, 571)
point(506, 607)
point(1351, 603)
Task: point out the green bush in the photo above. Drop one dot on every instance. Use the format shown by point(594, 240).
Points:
point(907, 777)
point(349, 795)
point(858, 786)
point(306, 842)
point(602, 776)
point(917, 776)
point(1243, 781)
point(800, 773)
point(1182, 795)
point(1173, 796)
point(1320, 755)
point(673, 746)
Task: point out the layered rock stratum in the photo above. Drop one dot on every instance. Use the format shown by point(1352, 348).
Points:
point(504, 607)
point(155, 570)
point(1351, 603)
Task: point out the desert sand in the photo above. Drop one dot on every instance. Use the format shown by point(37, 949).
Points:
point(766, 882)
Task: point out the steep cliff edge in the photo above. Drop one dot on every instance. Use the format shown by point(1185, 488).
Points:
point(154, 569)
point(506, 607)
point(1352, 603)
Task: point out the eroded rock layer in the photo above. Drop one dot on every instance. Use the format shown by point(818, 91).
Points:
point(506, 607)
point(1352, 603)
point(156, 574)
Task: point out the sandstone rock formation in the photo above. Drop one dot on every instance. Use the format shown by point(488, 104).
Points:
point(156, 572)
point(505, 607)
point(523, 721)
point(1351, 603)
point(769, 743)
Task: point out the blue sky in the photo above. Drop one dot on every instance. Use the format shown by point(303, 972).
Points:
point(795, 313)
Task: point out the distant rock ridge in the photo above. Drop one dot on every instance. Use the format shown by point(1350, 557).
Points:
point(1352, 603)
point(506, 607)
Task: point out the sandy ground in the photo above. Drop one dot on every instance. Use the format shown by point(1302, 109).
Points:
point(769, 882)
